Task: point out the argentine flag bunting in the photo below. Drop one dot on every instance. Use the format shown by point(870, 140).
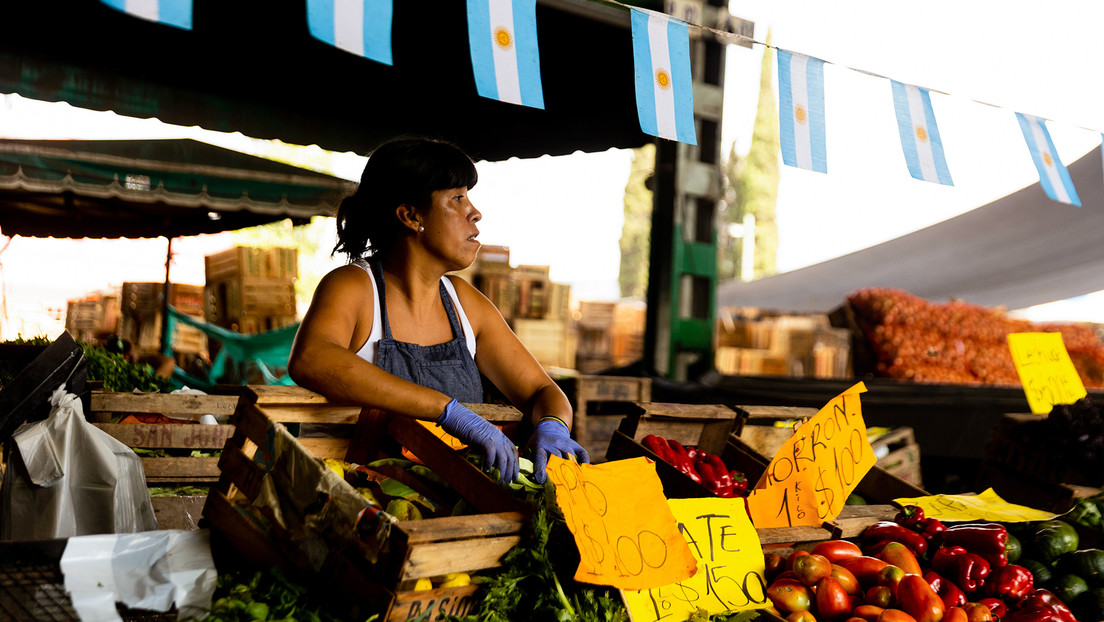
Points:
point(1053, 176)
point(664, 84)
point(176, 13)
point(361, 27)
point(801, 111)
point(502, 35)
point(920, 134)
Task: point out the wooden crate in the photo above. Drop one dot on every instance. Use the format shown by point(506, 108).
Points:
point(547, 340)
point(899, 454)
point(228, 301)
point(762, 441)
point(595, 417)
point(371, 575)
point(701, 432)
point(107, 406)
point(242, 262)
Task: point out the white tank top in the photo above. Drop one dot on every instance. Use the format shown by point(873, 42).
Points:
point(368, 350)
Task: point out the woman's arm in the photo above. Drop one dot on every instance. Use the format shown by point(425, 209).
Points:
point(506, 362)
point(323, 355)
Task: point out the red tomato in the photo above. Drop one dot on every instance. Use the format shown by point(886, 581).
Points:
point(895, 615)
point(891, 576)
point(832, 601)
point(775, 563)
point(801, 616)
point(978, 612)
point(901, 556)
point(790, 595)
point(811, 568)
point(869, 613)
point(919, 600)
point(794, 555)
point(846, 578)
point(881, 596)
point(836, 550)
point(955, 614)
point(864, 568)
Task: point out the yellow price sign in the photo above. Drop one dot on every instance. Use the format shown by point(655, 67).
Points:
point(811, 475)
point(731, 569)
point(1046, 370)
point(987, 506)
point(626, 534)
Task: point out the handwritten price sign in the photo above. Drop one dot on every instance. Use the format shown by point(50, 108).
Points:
point(730, 565)
point(1045, 369)
point(808, 480)
point(627, 536)
point(984, 506)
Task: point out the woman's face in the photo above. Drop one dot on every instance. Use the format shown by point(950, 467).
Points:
point(450, 227)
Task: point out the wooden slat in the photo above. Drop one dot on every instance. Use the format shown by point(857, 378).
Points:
point(471, 483)
point(615, 388)
point(687, 411)
point(164, 403)
point(313, 413)
point(178, 512)
point(180, 469)
point(239, 530)
point(854, 519)
point(438, 558)
point(243, 473)
point(169, 435)
point(496, 413)
point(780, 535)
point(456, 601)
point(323, 448)
point(456, 527)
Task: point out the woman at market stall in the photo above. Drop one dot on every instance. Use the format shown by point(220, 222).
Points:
point(390, 330)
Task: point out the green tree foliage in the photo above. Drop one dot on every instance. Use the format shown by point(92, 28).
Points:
point(636, 232)
point(752, 185)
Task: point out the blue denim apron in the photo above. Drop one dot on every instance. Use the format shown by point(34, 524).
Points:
point(447, 367)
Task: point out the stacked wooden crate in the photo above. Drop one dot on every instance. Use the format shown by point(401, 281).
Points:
point(754, 342)
point(87, 318)
point(594, 330)
point(251, 290)
point(141, 309)
point(176, 451)
point(277, 504)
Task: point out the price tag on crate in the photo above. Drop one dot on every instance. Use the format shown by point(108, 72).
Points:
point(811, 475)
point(987, 505)
point(627, 536)
point(730, 565)
point(1045, 369)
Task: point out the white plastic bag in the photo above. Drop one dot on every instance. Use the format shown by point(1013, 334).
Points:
point(66, 477)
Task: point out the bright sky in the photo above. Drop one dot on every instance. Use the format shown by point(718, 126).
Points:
point(566, 212)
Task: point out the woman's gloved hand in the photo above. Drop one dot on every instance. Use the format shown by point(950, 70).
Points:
point(551, 437)
point(476, 431)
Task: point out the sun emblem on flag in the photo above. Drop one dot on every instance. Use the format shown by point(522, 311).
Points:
point(663, 79)
point(800, 114)
point(921, 133)
point(503, 38)
point(1047, 159)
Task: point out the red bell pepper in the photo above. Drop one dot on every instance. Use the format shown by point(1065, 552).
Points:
point(1010, 583)
point(659, 447)
point(995, 605)
point(966, 569)
point(932, 529)
point(1044, 603)
point(739, 483)
point(910, 516)
point(683, 461)
point(949, 593)
point(985, 539)
point(889, 530)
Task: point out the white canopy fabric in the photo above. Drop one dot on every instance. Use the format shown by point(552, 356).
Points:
point(1018, 251)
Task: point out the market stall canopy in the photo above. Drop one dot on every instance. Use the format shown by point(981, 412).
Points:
point(151, 188)
point(252, 66)
point(1018, 251)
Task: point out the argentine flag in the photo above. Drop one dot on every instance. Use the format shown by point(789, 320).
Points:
point(801, 111)
point(664, 84)
point(361, 27)
point(1053, 176)
point(176, 13)
point(920, 134)
point(502, 35)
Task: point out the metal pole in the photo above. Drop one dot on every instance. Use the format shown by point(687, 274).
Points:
point(166, 338)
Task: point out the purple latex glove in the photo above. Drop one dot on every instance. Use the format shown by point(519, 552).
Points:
point(476, 431)
point(553, 438)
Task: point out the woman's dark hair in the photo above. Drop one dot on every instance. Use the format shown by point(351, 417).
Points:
point(403, 170)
